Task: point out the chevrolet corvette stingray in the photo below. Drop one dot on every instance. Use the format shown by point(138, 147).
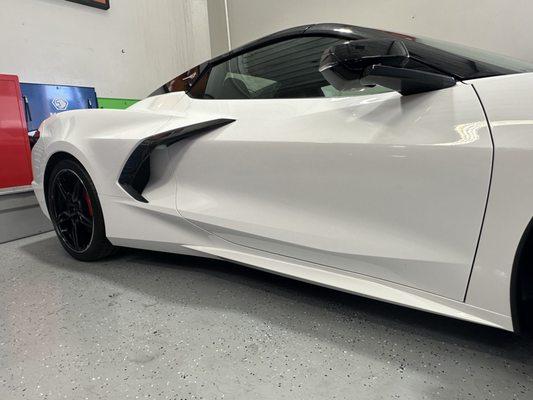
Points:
point(380, 164)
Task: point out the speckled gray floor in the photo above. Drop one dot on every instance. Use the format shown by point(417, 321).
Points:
point(149, 325)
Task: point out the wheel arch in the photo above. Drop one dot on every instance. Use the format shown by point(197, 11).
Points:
point(522, 281)
point(55, 159)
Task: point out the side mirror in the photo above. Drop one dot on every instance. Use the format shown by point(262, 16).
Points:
point(366, 63)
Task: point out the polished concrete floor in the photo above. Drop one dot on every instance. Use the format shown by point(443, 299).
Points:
point(149, 325)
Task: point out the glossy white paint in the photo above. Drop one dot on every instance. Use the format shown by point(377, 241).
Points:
point(426, 198)
point(507, 101)
point(382, 185)
point(358, 284)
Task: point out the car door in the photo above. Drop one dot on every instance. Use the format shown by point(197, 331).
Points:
point(367, 181)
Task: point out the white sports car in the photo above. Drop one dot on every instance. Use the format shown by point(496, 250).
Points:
point(376, 163)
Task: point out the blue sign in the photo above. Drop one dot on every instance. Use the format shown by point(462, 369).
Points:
point(42, 101)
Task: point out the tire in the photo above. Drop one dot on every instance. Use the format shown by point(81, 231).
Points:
point(76, 212)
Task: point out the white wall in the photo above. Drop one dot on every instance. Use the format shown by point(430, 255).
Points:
point(218, 26)
point(127, 51)
point(503, 26)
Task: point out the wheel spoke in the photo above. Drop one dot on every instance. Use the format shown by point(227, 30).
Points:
point(62, 190)
point(70, 208)
point(85, 221)
point(75, 238)
point(76, 191)
point(63, 217)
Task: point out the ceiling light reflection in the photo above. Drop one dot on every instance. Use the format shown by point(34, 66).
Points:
point(468, 133)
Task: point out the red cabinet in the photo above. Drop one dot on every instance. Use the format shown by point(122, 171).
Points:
point(15, 160)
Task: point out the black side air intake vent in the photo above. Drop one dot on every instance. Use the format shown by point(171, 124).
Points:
point(136, 172)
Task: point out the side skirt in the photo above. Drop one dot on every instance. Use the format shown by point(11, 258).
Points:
point(360, 285)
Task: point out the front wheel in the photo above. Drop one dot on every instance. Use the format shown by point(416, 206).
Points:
point(76, 213)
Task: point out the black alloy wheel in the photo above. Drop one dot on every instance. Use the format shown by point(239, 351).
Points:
point(72, 210)
point(76, 213)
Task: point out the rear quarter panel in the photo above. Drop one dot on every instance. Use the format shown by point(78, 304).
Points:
point(102, 140)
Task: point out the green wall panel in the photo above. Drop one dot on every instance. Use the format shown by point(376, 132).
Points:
point(115, 104)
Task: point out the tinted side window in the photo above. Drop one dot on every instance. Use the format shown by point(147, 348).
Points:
point(287, 69)
point(181, 83)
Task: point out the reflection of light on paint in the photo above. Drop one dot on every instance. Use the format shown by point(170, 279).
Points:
point(372, 100)
point(513, 122)
point(469, 132)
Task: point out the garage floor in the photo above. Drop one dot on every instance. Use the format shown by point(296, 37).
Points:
point(150, 325)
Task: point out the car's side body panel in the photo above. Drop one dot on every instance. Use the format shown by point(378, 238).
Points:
point(102, 140)
point(508, 103)
point(382, 185)
point(130, 221)
point(99, 139)
point(156, 225)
